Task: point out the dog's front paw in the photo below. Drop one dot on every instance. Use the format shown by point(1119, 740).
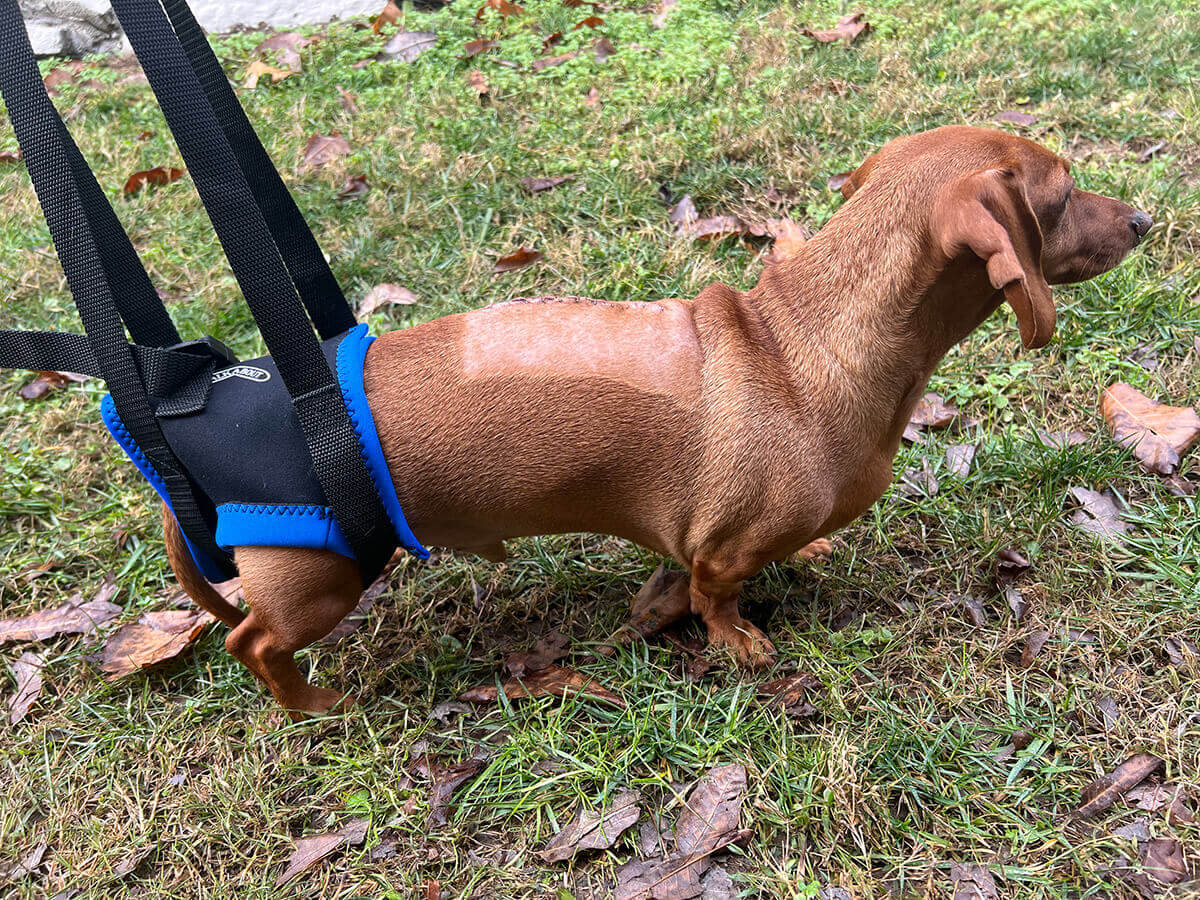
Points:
point(752, 648)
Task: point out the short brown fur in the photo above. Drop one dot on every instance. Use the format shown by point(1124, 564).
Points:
point(726, 431)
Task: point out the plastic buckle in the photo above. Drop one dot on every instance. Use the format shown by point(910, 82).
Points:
point(207, 346)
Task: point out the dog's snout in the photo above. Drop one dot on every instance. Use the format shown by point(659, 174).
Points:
point(1140, 222)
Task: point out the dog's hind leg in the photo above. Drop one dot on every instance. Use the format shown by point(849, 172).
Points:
point(296, 596)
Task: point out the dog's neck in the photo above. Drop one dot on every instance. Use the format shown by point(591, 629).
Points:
point(864, 315)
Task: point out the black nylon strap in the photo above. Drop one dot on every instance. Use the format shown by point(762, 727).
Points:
point(44, 142)
point(319, 290)
point(265, 283)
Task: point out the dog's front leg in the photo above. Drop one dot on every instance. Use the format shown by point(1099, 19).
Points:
point(714, 598)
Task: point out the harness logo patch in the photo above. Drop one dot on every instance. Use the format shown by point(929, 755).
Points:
point(250, 373)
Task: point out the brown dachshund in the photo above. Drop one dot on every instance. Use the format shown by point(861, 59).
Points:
point(726, 431)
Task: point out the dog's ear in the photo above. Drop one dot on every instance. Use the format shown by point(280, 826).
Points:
point(988, 213)
point(856, 178)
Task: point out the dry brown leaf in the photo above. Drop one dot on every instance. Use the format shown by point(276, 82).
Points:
point(791, 694)
point(406, 46)
point(664, 10)
point(716, 228)
point(592, 100)
point(348, 101)
point(390, 14)
point(286, 46)
point(535, 185)
point(73, 617)
point(311, 850)
point(549, 62)
point(1100, 514)
point(446, 780)
point(603, 49)
point(1016, 117)
point(972, 882)
point(10, 157)
point(836, 181)
point(477, 82)
point(505, 8)
point(386, 294)
point(157, 175)
point(1152, 151)
point(1060, 440)
point(131, 861)
point(1105, 791)
point(595, 830)
point(1181, 651)
point(258, 69)
point(474, 48)
point(55, 77)
point(323, 149)
point(683, 214)
point(920, 482)
point(589, 22)
point(526, 256)
point(848, 29)
point(553, 681)
point(356, 186)
point(1010, 564)
point(46, 382)
point(959, 458)
point(1164, 860)
point(1033, 646)
point(156, 637)
point(548, 650)
point(790, 237)
point(1156, 433)
point(932, 411)
point(26, 865)
point(708, 823)
point(27, 672)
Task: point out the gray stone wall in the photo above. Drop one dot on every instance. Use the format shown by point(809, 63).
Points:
point(79, 27)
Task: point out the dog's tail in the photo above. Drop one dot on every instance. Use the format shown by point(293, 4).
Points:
point(190, 579)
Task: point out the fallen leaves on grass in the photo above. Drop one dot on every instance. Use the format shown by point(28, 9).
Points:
point(931, 411)
point(589, 22)
point(1164, 861)
point(836, 181)
point(1156, 433)
point(478, 83)
point(553, 681)
point(258, 69)
point(406, 46)
point(548, 650)
point(1152, 151)
point(286, 47)
point(157, 176)
point(549, 62)
point(708, 823)
point(10, 157)
point(959, 458)
point(603, 49)
point(1106, 790)
point(46, 382)
point(73, 617)
point(1010, 564)
point(386, 294)
point(536, 185)
point(323, 149)
point(1169, 797)
point(356, 187)
point(592, 99)
point(26, 865)
point(1180, 651)
point(1016, 117)
point(791, 694)
point(973, 610)
point(683, 214)
point(848, 29)
point(664, 10)
point(311, 850)
point(389, 15)
point(27, 672)
point(474, 48)
point(526, 256)
point(505, 8)
point(596, 829)
point(446, 780)
point(973, 882)
point(155, 638)
point(1033, 647)
point(1061, 440)
point(1099, 514)
point(920, 482)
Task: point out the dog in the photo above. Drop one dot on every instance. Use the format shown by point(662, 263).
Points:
point(726, 431)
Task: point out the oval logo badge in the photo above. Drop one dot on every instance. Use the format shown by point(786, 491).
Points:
point(249, 373)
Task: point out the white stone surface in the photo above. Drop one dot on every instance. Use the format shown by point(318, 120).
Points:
point(79, 27)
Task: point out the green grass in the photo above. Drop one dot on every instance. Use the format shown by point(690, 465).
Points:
point(895, 777)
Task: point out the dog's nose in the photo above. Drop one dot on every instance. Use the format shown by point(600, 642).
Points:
point(1140, 223)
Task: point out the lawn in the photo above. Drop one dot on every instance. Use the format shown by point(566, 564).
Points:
point(926, 741)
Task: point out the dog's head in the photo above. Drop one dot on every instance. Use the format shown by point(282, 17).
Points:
point(1006, 203)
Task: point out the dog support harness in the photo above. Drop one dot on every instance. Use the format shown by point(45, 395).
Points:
point(277, 451)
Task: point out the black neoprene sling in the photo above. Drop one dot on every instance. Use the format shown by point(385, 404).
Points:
point(276, 260)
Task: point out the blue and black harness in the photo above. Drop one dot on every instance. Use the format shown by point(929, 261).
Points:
point(276, 451)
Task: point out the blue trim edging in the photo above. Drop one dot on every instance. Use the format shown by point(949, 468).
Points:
point(108, 412)
point(351, 358)
point(283, 525)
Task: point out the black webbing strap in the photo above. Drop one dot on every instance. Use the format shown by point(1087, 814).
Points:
point(265, 283)
point(44, 141)
point(319, 290)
